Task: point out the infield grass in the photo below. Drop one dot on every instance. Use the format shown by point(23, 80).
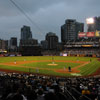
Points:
point(44, 68)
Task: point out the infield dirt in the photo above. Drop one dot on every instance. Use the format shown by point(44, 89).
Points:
point(62, 70)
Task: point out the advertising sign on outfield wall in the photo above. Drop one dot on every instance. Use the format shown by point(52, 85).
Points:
point(82, 34)
point(90, 34)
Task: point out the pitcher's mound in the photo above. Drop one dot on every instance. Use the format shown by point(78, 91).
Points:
point(52, 64)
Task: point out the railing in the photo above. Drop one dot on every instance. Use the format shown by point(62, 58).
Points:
point(69, 95)
point(78, 95)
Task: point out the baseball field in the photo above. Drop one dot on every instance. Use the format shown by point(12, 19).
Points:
point(51, 65)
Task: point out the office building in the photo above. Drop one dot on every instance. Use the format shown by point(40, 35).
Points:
point(70, 30)
point(26, 37)
point(13, 41)
point(29, 42)
point(52, 40)
point(44, 44)
point(13, 44)
point(26, 33)
point(28, 46)
point(3, 45)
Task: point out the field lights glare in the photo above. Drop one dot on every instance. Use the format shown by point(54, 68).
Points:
point(90, 20)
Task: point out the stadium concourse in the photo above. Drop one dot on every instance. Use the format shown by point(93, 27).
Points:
point(14, 86)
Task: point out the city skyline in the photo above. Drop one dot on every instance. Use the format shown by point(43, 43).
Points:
point(44, 14)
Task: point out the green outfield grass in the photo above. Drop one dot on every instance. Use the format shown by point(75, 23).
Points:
point(42, 67)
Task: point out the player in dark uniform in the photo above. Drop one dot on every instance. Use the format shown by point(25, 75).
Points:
point(69, 69)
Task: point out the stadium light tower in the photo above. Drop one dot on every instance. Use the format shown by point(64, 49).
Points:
point(90, 20)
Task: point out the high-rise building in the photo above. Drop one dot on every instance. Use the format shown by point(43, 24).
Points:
point(93, 24)
point(44, 44)
point(28, 46)
point(29, 42)
point(13, 44)
point(70, 30)
point(13, 41)
point(26, 37)
point(52, 40)
point(26, 33)
point(3, 44)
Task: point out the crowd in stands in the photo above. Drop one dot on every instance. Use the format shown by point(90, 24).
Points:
point(15, 86)
point(83, 51)
point(86, 47)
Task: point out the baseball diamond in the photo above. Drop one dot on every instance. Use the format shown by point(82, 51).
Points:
point(44, 64)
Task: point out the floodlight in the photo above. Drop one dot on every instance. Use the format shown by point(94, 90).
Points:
point(90, 20)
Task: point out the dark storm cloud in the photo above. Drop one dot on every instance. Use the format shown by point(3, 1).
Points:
point(32, 6)
point(49, 15)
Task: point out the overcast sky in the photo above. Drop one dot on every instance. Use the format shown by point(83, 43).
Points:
point(48, 15)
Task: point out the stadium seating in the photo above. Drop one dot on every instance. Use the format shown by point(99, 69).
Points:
point(15, 86)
